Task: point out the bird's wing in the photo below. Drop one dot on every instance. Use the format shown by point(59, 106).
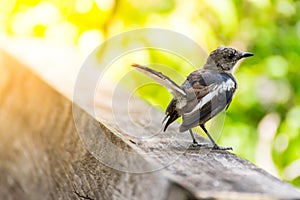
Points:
point(213, 91)
point(176, 90)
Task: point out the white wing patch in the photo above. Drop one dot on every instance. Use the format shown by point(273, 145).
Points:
point(225, 86)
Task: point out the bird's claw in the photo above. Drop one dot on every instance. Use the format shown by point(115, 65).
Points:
point(217, 147)
point(195, 144)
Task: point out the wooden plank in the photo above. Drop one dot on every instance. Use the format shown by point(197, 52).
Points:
point(52, 147)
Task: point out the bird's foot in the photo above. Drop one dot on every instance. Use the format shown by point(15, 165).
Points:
point(217, 147)
point(195, 144)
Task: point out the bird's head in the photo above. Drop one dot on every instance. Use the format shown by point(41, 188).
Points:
point(224, 59)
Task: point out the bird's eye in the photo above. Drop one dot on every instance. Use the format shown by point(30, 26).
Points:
point(230, 55)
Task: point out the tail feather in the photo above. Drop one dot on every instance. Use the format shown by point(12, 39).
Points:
point(176, 90)
point(178, 93)
point(171, 118)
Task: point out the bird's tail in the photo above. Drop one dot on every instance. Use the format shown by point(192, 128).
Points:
point(165, 81)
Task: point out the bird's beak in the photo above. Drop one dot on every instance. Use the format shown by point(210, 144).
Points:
point(246, 54)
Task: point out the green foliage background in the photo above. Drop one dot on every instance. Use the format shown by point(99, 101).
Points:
point(262, 123)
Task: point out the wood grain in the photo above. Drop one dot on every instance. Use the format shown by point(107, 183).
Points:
point(54, 148)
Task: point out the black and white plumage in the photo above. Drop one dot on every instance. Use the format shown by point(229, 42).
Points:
point(204, 94)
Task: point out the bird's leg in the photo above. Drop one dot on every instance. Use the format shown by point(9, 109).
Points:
point(215, 146)
point(195, 143)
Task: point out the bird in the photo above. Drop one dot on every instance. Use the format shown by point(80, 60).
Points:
point(205, 92)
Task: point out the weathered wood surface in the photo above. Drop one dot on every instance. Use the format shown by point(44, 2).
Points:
point(51, 148)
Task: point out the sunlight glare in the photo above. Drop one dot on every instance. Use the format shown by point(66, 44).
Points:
point(105, 5)
point(63, 32)
point(84, 6)
point(89, 40)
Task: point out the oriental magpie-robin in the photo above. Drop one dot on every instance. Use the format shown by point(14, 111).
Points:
point(204, 94)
